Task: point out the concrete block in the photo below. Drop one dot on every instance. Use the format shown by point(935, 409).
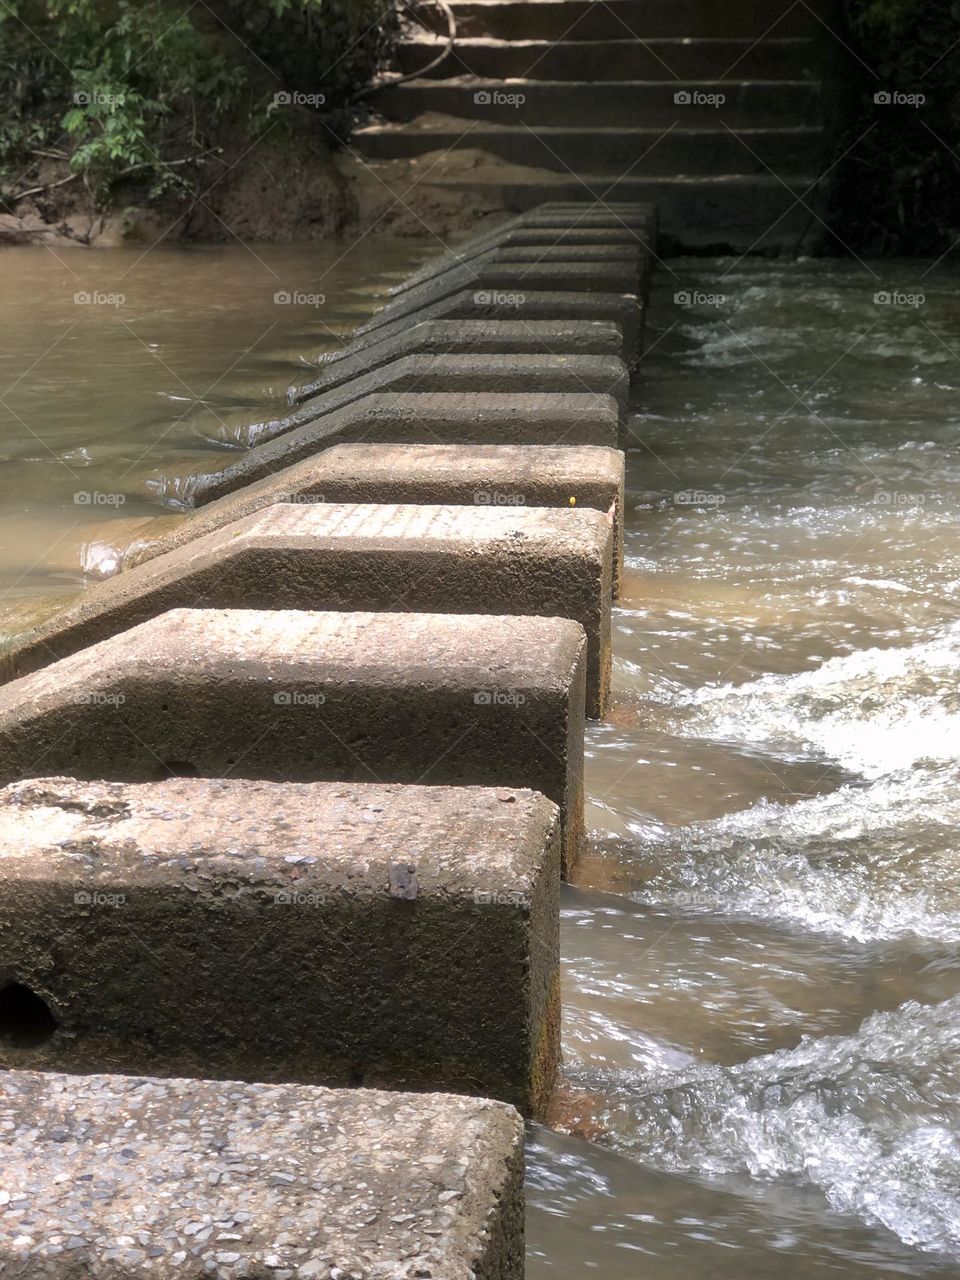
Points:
point(509, 283)
point(125, 1178)
point(476, 338)
point(457, 700)
point(531, 476)
point(540, 562)
point(599, 375)
point(528, 238)
point(623, 309)
point(327, 933)
point(416, 418)
point(500, 256)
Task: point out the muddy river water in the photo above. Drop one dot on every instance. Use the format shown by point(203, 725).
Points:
point(761, 970)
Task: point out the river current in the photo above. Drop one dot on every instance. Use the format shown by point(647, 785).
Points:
point(761, 975)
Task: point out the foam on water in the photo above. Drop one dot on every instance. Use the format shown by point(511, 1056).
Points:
point(875, 712)
point(872, 1120)
point(868, 862)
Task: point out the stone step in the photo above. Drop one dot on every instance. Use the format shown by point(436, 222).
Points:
point(510, 283)
point(602, 375)
point(441, 699)
point(473, 337)
point(623, 309)
point(622, 57)
point(470, 475)
point(127, 1178)
point(539, 562)
point(403, 937)
point(418, 418)
point(562, 20)
point(522, 237)
point(533, 104)
point(684, 150)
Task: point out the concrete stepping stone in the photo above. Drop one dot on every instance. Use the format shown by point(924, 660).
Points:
point(332, 933)
point(624, 309)
point(534, 561)
point(125, 1178)
point(476, 338)
point(472, 475)
point(438, 699)
point(522, 256)
point(510, 282)
point(424, 418)
point(466, 374)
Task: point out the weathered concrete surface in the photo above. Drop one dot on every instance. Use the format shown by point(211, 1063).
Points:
point(622, 309)
point(527, 237)
point(509, 282)
point(462, 374)
point(119, 1177)
point(327, 933)
point(521, 256)
point(304, 697)
point(473, 337)
point(415, 418)
point(536, 561)
point(473, 475)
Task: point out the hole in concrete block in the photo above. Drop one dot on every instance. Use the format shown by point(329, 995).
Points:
point(26, 1019)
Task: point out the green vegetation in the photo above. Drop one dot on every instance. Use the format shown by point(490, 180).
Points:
point(898, 190)
point(141, 91)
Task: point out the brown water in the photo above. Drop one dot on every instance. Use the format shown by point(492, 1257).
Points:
point(762, 1018)
point(173, 351)
point(761, 975)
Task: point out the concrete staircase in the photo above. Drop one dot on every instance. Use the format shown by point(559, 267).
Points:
point(712, 109)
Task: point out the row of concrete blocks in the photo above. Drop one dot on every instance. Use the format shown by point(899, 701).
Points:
point(341, 710)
